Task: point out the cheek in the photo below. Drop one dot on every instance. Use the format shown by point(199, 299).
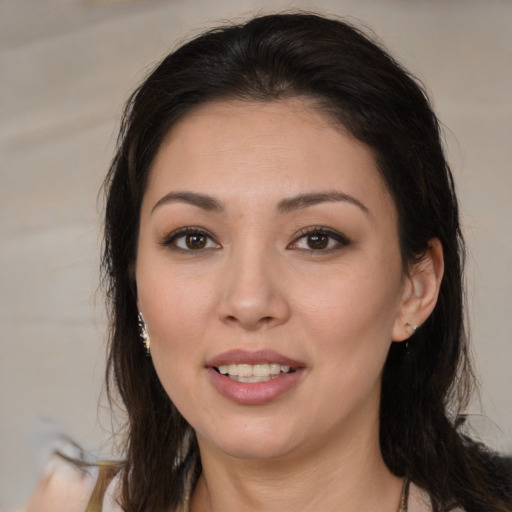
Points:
point(356, 299)
point(355, 310)
point(350, 326)
point(178, 306)
point(176, 309)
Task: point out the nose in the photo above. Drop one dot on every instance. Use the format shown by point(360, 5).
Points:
point(253, 291)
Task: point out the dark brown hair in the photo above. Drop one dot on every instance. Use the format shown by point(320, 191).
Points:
point(360, 86)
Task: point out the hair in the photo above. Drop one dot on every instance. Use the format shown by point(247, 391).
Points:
point(360, 86)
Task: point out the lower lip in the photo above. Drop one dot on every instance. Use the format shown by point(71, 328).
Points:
point(254, 393)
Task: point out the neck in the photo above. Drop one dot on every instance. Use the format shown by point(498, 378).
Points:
point(343, 475)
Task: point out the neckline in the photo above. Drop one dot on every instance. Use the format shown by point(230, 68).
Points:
point(402, 505)
point(107, 473)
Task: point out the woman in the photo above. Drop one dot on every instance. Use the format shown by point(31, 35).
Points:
point(283, 261)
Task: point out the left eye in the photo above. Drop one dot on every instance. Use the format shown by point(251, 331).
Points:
point(319, 240)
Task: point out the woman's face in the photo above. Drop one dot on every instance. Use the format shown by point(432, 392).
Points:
point(268, 249)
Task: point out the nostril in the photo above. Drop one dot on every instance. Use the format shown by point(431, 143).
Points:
point(263, 320)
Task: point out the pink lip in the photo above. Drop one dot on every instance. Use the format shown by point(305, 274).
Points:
point(257, 357)
point(257, 393)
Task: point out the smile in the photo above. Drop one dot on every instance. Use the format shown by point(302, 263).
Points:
point(254, 372)
point(258, 377)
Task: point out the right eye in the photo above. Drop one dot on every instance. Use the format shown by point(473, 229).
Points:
point(190, 239)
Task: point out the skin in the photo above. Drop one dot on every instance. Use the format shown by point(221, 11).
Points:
point(256, 283)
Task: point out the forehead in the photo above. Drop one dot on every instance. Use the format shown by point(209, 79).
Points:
point(264, 151)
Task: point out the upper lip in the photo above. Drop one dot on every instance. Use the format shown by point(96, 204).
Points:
point(240, 356)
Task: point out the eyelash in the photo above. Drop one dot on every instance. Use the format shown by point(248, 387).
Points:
point(340, 239)
point(171, 239)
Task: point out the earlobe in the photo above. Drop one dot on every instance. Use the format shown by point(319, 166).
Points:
point(421, 291)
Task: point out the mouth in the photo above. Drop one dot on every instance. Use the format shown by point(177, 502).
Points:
point(251, 373)
point(254, 377)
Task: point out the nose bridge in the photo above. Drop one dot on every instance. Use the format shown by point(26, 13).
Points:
point(252, 295)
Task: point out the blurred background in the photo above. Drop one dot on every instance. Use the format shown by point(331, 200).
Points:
point(67, 67)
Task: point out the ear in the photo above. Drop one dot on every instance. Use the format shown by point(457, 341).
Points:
point(420, 292)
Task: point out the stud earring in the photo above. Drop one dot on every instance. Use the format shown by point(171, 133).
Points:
point(144, 336)
point(412, 327)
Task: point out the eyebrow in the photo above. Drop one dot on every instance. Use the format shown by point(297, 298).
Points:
point(286, 205)
point(306, 200)
point(203, 201)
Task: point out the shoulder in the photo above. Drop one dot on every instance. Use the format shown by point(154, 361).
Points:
point(64, 486)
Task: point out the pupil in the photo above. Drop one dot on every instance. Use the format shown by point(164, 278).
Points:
point(196, 241)
point(318, 241)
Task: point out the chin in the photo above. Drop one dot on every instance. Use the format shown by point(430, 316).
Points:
point(250, 443)
point(257, 451)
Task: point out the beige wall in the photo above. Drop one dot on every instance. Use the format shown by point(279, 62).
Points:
point(66, 68)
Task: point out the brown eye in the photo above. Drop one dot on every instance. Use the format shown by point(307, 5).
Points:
point(190, 239)
point(318, 241)
point(196, 241)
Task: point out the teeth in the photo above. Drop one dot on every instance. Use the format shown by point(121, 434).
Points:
point(275, 369)
point(261, 370)
point(253, 372)
point(250, 379)
point(245, 370)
